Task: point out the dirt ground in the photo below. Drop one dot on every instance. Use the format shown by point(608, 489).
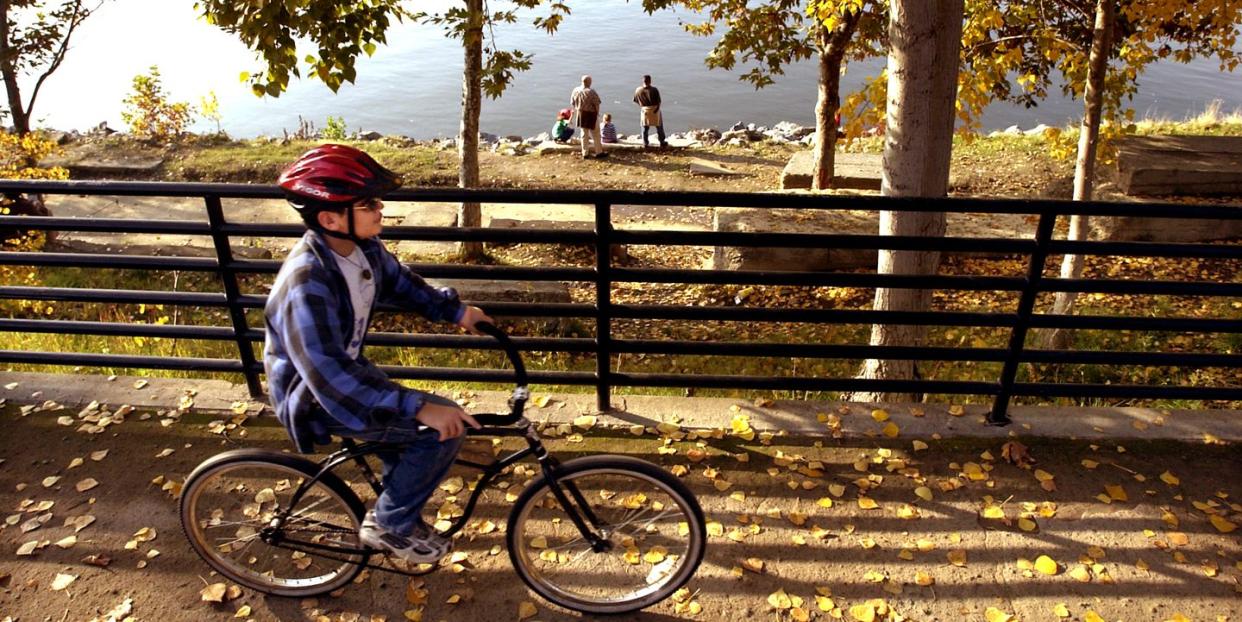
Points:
point(1127, 527)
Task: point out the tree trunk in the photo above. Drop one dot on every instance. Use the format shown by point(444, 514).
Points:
point(832, 46)
point(1084, 169)
point(923, 60)
point(17, 110)
point(470, 214)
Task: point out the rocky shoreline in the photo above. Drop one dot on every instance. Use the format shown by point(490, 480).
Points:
point(739, 134)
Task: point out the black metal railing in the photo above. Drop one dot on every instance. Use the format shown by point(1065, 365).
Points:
point(604, 311)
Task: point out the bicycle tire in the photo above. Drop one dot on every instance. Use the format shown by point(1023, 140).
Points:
point(261, 472)
point(591, 595)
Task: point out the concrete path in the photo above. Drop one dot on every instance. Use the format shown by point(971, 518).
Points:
point(796, 418)
point(934, 524)
point(269, 211)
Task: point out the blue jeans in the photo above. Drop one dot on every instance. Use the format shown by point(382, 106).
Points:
point(659, 132)
point(412, 471)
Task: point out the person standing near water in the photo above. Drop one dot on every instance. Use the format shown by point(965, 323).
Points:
point(586, 102)
point(648, 99)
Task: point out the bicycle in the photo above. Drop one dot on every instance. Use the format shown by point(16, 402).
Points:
point(596, 534)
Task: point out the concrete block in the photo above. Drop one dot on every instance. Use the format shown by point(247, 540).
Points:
point(792, 221)
point(1180, 165)
point(857, 171)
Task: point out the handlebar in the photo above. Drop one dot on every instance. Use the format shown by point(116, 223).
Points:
point(520, 394)
point(515, 358)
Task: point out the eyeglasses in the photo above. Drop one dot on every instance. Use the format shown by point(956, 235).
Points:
point(370, 205)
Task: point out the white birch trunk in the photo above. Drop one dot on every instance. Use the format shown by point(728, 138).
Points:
point(1084, 168)
point(923, 61)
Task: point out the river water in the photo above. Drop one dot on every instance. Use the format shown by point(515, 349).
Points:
point(412, 86)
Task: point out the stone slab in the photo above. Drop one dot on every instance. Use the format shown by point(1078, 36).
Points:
point(625, 144)
point(1185, 165)
point(851, 222)
point(482, 291)
point(1140, 229)
point(857, 171)
point(699, 166)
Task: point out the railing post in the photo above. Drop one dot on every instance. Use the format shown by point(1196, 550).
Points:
point(224, 258)
point(603, 306)
point(999, 415)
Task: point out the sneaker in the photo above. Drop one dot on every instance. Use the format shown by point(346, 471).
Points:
point(424, 546)
point(664, 145)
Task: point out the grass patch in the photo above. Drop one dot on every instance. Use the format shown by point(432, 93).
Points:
point(262, 161)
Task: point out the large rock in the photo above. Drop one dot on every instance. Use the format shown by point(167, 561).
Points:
point(793, 221)
point(857, 171)
point(1195, 165)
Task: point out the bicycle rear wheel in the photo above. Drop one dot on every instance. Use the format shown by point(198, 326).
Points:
point(229, 501)
point(651, 530)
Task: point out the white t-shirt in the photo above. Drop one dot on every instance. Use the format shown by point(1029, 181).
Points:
point(361, 282)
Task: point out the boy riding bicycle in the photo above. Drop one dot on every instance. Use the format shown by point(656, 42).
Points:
point(317, 317)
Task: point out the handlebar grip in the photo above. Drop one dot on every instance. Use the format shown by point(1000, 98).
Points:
point(497, 420)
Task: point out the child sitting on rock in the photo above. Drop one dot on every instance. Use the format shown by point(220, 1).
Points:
point(562, 131)
point(608, 133)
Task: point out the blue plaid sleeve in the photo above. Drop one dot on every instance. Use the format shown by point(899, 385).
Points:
point(403, 288)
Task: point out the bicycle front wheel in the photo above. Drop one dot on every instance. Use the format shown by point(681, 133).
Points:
point(227, 509)
point(649, 531)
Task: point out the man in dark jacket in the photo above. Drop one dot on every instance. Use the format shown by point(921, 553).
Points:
point(648, 99)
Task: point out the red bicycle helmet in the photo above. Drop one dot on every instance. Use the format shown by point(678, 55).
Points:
point(335, 174)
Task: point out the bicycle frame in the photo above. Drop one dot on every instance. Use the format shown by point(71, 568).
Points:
point(579, 511)
point(511, 424)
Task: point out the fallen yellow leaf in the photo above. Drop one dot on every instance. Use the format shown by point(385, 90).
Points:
point(780, 600)
point(863, 613)
point(1046, 565)
point(924, 493)
point(957, 557)
point(526, 609)
point(1221, 524)
point(1116, 492)
point(992, 614)
point(891, 430)
point(879, 415)
point(1061, 611)
point(213, 593)
point(62, 581)
point(1169, 478)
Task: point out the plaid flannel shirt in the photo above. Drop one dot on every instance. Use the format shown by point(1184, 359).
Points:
point(309, 321)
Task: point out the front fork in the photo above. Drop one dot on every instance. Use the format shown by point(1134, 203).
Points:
point(597, 532)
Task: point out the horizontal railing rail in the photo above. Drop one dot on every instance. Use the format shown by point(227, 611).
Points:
point(1018, 318)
